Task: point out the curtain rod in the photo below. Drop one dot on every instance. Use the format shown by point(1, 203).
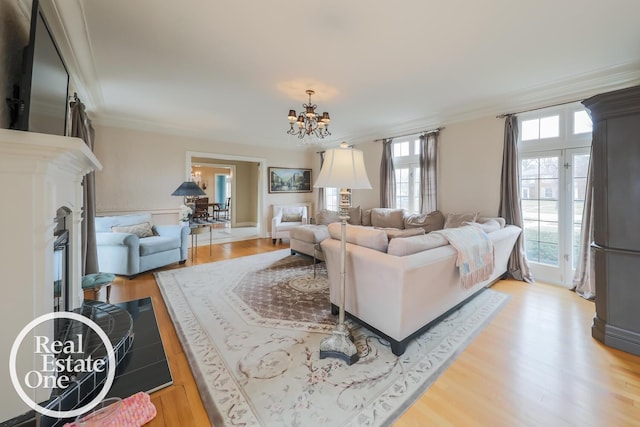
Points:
point(413, 133)
point(502, 116)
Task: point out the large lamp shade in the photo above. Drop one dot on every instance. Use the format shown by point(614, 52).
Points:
point(189, 189)
point(343, 168)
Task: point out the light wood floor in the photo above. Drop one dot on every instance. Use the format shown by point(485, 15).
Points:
point(536, 364)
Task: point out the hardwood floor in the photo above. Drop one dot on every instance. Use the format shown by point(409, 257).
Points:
point(536, 364)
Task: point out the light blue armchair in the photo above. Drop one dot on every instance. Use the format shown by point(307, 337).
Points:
point(122, 250)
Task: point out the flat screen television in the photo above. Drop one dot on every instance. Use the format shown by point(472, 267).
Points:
point(42, 94)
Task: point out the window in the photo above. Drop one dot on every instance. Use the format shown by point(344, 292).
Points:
point(581, 122)
point(331, 199)
point(541, 128)
point(406, 161)
point(554, 158)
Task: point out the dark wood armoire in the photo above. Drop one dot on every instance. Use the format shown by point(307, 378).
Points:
point(616, 197)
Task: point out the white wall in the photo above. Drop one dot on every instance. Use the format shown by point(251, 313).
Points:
point(470, 162)
point(142, 169)
point(469, 165)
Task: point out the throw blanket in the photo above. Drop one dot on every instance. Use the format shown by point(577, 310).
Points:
point(475, 253)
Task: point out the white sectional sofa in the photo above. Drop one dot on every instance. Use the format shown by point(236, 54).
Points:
point(397, 287)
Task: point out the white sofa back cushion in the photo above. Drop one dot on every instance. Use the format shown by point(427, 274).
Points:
point(415, 244)
point(363, 236)
point(387, 218)
point(104, 223)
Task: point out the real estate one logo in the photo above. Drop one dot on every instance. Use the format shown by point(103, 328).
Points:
point(59, 362)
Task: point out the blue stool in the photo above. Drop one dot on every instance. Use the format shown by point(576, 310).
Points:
point(96, 281)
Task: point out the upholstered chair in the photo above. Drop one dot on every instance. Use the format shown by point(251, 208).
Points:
point(286, 217)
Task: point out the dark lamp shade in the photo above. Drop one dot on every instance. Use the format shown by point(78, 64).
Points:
point(189, 188)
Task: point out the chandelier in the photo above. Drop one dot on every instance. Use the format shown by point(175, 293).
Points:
point(309, 123)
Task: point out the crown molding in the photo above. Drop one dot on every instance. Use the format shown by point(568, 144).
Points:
point(565, 90)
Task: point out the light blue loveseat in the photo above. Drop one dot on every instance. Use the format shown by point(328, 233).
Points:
point(126, 254)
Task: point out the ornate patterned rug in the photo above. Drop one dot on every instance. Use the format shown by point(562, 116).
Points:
point(251, 328)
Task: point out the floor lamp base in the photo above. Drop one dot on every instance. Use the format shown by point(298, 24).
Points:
point(339, 345)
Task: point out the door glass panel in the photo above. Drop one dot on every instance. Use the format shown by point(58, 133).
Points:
point(540, 209)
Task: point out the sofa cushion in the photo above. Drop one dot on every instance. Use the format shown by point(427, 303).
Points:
point(394, 233)
point(371, 238)
point(387, 218)
point(365, 217)
point(484, 219)
point(310, 233)
point(291, 217)
point(488, 226)
point(354, 216)
point(141, 230)
point(103, 224)
point(429, 222)
point(326, 217)
point(457, 220)
point(415, 244)
point(156, 244)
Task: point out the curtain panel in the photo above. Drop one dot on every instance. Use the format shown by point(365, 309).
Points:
point(510, 206)
point(429, 172)
point(387, 176)
point(81, 128)
point(321, 194)
point(584, 277)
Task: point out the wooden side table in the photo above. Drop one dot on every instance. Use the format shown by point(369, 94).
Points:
point(199, 229)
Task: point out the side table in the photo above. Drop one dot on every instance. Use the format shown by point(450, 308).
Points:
point(199, 229)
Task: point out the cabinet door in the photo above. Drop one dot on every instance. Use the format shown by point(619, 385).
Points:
point(623, 182)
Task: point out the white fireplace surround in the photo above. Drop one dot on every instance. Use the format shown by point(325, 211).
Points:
point(38, 175)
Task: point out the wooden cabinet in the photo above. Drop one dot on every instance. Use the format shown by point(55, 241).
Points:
point(616, 246)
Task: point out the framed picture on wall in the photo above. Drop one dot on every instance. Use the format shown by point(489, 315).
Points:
point(289, 180)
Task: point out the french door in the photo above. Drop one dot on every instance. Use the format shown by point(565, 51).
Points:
point(552, 185)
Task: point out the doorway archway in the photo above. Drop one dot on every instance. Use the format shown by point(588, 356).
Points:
point(247, 186)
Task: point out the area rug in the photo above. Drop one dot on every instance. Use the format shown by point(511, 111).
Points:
point(251, 328)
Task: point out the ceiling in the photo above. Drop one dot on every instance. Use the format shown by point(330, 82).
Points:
point(230, 71)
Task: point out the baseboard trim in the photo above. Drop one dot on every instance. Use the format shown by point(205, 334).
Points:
point(615, 337)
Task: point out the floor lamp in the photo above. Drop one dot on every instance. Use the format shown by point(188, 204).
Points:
point(342, 168)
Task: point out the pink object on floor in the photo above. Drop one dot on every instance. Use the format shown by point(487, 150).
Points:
point(135, 411)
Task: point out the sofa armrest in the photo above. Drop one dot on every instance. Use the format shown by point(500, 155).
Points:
point(117, 239)
point(118, 253)
point(170, 230)
point(176, 231)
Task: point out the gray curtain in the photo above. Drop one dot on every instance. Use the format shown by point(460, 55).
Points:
point(584, 277)
point(321, 200)
point(510, 206)
point(81, 128)
point(387, 176)
point(429, 172)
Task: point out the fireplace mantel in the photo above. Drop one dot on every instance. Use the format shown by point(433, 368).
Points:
point(38, 175)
